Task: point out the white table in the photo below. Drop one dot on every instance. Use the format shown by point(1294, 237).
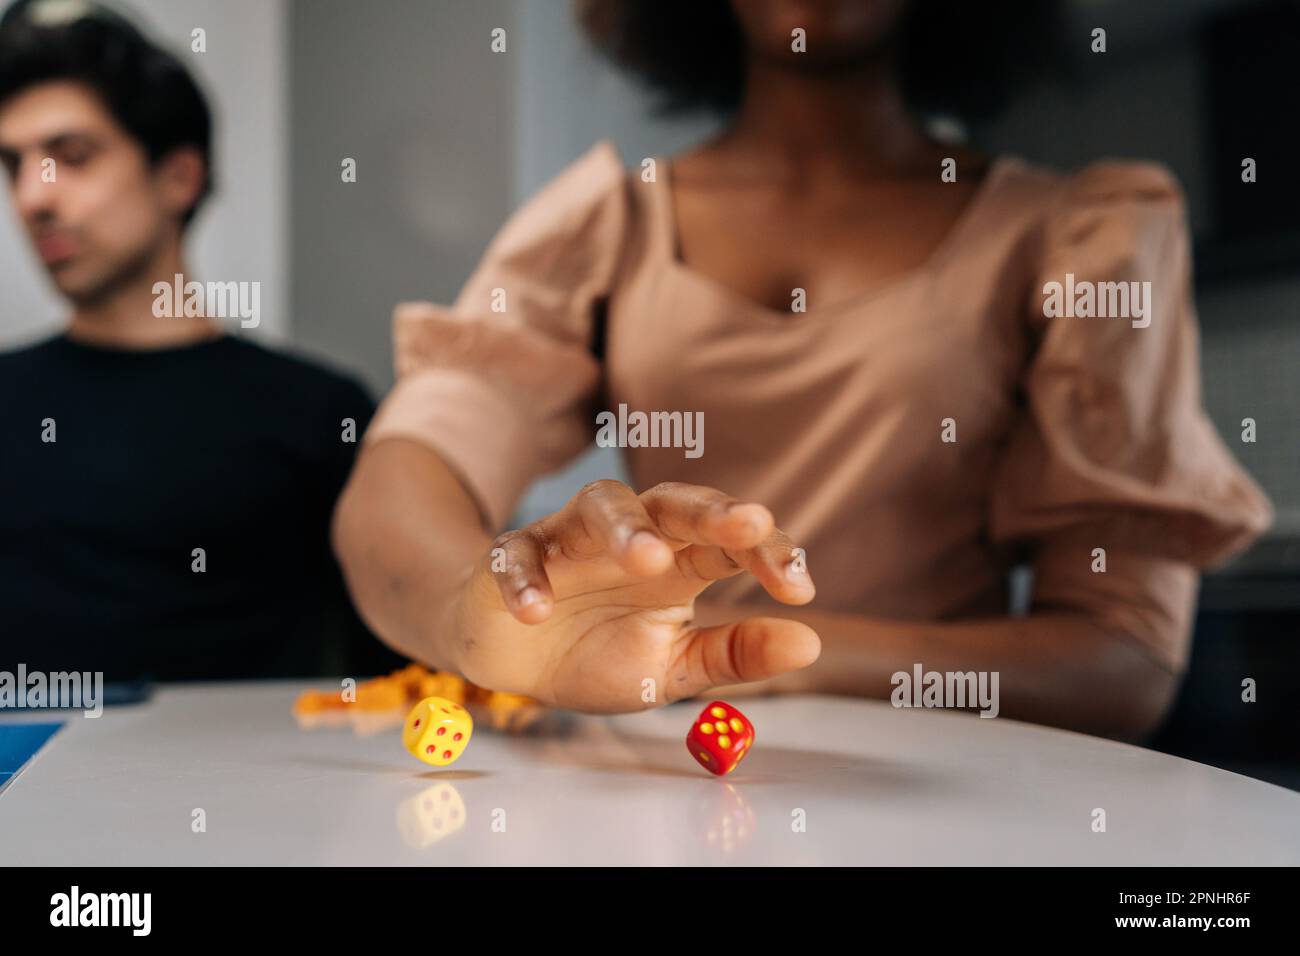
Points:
point(876, 786)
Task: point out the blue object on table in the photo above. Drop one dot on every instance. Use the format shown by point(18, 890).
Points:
point(18, 744)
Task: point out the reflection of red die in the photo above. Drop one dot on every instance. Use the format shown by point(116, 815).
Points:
point(720, 738)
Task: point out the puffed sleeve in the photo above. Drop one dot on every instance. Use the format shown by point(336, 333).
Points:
point(501, 384)
point(1113, 448)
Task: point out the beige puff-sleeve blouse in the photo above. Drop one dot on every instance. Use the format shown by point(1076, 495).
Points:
point(1072, 433)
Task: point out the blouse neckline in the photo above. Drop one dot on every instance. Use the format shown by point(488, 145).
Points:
point(666, 242)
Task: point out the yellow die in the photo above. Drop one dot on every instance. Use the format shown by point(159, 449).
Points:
point(437, 730)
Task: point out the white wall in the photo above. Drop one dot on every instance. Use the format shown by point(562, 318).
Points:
point(241, 233)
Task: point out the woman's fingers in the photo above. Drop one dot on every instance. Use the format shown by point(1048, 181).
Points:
point(612, 519)
point(751, 649)
point(709, 535)
point(780, 567)
point(730, 536)
point(518, 564)
point(605, 517)
point(696, 514)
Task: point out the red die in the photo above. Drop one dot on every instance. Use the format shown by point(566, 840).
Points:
point(720, 738)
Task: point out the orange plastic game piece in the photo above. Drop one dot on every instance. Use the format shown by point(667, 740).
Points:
point(450, 686)
point(511, 712)
point(409, 677)
point(381, 694)
point(318, 701)
point(390, 694)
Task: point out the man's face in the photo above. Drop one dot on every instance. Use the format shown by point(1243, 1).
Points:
point(99, 214)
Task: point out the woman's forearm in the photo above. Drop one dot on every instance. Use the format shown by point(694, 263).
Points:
point(1055, 668)
point(408, 536)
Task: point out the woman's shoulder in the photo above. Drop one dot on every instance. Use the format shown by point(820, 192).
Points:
point(1112, 209)
point(561, 249)
point(1105, 182)
point(597, 171)
point(589, 190)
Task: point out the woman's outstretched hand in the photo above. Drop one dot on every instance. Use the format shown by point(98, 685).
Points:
point(592, 607)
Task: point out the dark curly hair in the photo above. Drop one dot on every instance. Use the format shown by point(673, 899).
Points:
point(149, 92)
point(954, 57)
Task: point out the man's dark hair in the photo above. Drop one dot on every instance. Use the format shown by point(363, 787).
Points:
point(147, 90)
point(955, 58)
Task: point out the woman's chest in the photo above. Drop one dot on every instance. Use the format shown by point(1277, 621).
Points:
point(920, 373)
point(826, 251)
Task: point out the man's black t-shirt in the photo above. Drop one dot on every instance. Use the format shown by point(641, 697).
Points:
point(117, 467)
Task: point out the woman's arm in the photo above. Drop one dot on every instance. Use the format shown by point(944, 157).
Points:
point(407, 535)
point(1063, 668)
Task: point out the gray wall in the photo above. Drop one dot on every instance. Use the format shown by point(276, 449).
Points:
point(410, 90)
point(1250, 356)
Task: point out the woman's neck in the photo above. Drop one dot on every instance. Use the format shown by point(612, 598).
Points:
point(826, 121)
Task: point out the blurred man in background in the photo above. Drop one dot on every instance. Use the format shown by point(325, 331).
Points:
point(166, 489)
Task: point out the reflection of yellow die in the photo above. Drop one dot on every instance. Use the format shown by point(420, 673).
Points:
point(431, 815)
point(437, 730)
